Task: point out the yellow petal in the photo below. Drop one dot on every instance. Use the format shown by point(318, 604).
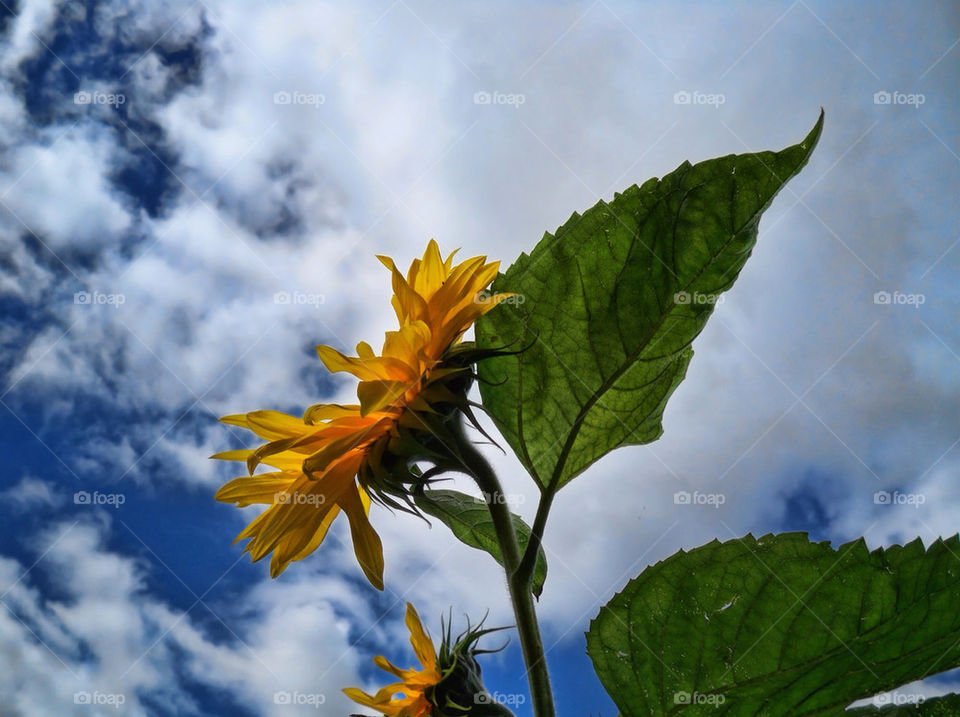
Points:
point(366, 542)
point(381, 703)
point(303, 516)
point(407, 345)
point(319, 535)
point(239, 455)
point(384, 664)
point(340, 448)
point(409, 304)
point(431, 274)
point(457, 286)
point(448, 262)
point(377, 395)
point(269, 425)
point(328, 411)
point(262, 488)
point(422, 644)
point(369, 369)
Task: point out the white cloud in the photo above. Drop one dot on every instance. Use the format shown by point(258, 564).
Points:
point(32, 21)
point(32, 492)
point(109, 635)
point(67, 162)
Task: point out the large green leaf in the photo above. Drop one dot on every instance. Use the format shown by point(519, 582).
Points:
point(601, 308)
point(469, 519)
point(778, 625)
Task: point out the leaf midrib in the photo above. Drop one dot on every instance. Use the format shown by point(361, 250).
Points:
point(605, 386)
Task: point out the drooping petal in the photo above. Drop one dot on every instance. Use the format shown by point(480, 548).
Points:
point(381, 701)
point(366, 542)
point(319, 534)
point(384, 664)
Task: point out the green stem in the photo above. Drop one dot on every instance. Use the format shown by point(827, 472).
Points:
point(518, 584)
point(528, 560)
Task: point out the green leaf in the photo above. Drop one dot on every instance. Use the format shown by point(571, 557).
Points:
point(469, 519)
point(600, 309)
point(778, 625)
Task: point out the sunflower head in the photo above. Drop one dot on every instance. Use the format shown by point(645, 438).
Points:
point(419, 383)
point(411, 399)
point(428, 431)
point(448, 683)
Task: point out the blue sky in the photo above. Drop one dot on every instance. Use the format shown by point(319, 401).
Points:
point(157, 193)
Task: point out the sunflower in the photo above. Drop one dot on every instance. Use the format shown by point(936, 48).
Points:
point(335, 456)
point(414, 684)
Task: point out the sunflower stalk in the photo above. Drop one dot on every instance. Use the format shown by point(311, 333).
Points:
point(518, 584)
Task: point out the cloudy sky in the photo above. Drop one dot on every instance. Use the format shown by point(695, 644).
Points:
point(167, 169)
